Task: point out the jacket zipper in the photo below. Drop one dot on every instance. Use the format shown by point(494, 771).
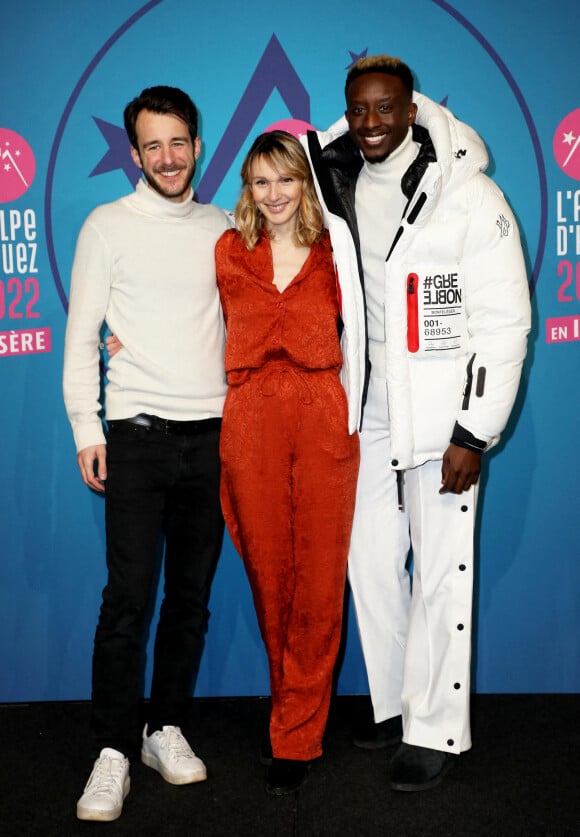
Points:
point(412, 312)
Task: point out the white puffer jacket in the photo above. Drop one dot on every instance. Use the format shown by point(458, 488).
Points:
point(457, 308)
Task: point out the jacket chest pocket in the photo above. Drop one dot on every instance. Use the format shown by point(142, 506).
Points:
point(436, 320)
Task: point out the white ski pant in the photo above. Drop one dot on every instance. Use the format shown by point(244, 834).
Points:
point(417, 648)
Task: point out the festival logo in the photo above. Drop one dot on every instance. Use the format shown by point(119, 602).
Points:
point(19, 283)
point(275, 91)
point(566, 144)
point(17, 166)
point(565, 327)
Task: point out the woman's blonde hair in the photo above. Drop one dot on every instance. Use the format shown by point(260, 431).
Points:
point(285, 154)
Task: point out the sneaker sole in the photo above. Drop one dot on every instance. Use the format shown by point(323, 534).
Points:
point(199, 775)
point(95, 815)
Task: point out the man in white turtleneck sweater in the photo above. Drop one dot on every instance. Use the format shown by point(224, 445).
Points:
point(379, 206)
point(436, 304)
point(145, 266)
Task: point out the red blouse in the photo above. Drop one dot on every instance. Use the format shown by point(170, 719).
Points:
point(299, 325)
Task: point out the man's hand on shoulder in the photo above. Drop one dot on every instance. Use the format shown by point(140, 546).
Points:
point(460, 469)
point(86, 459)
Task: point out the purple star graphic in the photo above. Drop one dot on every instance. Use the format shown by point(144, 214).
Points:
point(274, 71)
point(118, 155)
point(354, 57)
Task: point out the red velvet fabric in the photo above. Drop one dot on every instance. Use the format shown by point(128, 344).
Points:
point(289, 470)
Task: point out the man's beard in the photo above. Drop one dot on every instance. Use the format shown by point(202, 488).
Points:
point(158, 187)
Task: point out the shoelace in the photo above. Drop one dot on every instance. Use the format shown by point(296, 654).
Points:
point(105, 778)
point(176, 745)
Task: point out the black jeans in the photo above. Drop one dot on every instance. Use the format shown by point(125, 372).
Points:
point(157, 486)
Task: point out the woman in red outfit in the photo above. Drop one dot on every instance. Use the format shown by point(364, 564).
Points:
point(289, 465)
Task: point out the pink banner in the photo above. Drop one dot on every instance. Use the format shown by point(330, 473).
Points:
point(29, 341)
point(562, 329)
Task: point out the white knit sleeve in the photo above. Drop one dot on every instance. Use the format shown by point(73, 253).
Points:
point(89, 296)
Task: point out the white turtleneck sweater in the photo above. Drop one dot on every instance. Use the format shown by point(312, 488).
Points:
point(380, 203)
point(145, 265)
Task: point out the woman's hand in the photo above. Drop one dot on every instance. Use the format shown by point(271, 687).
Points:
point(113, 344)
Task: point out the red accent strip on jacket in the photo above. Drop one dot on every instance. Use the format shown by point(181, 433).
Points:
point(338, 290)
point(412, 312)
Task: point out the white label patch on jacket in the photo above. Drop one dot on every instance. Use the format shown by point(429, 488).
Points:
point(436, 319)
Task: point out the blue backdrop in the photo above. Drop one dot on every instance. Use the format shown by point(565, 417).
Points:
point(68, 69)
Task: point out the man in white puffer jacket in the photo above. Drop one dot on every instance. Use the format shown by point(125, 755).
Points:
point(431, 270)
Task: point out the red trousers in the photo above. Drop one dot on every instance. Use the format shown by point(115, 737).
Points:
point(289, 470)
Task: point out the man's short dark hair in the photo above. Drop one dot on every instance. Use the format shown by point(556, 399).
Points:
point(380, 64)
point(161, 99)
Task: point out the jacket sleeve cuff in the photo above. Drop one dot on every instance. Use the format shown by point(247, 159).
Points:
point(464, 439)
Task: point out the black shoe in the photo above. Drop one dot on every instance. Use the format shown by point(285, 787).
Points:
point(419, 768)
point(376, 736)
point(286, 775)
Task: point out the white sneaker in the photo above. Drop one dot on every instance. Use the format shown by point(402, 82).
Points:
point(106, 789)
point(168, 752)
